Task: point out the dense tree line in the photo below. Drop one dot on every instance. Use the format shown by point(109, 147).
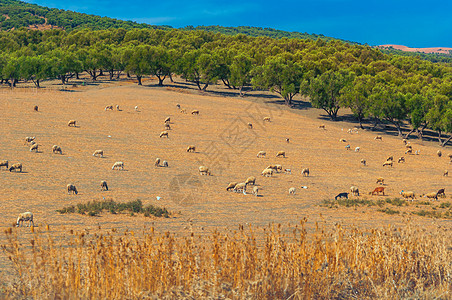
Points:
point(332, 75)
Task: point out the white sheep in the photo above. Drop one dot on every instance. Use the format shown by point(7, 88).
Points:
point(267, 172)
point(29, 139)
point(240, 187)
point(251, 180)
point(231, 185)
point(347, 147)
point(446, 173)
point(157, 162)
point(108, 107)
point(191, 148)
point(164, 133)
point(34, 148)
point(99, 153)
point(167, 120)
point(165, 164)
point(72, 123)
point(378, 137)
point(266, 119)
point(292, 191)
point(354, 190)
point(118, 165)
point(439, 153)
point(117, 107)
point(24, 217)
point(408, 194)
point(364, 162)
point(288, 171)
point(432, 195)
point(136, 108)
point(387, 163)
point(401, 159)
point(167, 126)
point(261, 154)
point(195, 112)
point(357, 149)
point(204, 170)
point(256, 190)
point(14, 167)
point(305, 172)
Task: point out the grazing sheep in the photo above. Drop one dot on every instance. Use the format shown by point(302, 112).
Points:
point(167, 120)
point(363, 161)
point(250, 126)
point(195, 112)
point(408, 146)
point(261, 154)
point(17, 166)
point(32, 143)
point(164, 133)
point(305, 172)
point(4, 163)
point(417, 152)
point(103, 185)
point(117, 165)
point(191, 148)
point(157, 162)
point(343, 140)
point(165, 164)
point(322, 126)
point(380, 180)
point(108, 107)
point(292, 191)
point(288, 140)
point(167, 127)
point(204, 170)
point(357, 149)
point(278, 168)
point(266, 119)
point(446, 173)
point(377, 191)
point(432, 195)
point(441, 192)
point(409, 151)
point(71, 188)
point(29, 139)
point(388, 163)
point(99, 153)
point(439, 153)
point(273, 167)
point(405, 141)
point(255, 190)
point(117, 107)
point(354, 190)
point(240, 187)
point(288, 171)
point(347, 147)
point(25, 217)
point(35, 108)
point(183, 111)
point(57, 149)
point(401, 159)
point(136, 108)
point(71, 123)
point(178, 105)
point(250, 180)
point(281, 153)
point(378, 137)
point(231, 186)
point(341, 195)
point(267, 172)
point(390, 158)
point(408, 194)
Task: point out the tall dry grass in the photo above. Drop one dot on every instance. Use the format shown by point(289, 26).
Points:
point(258, 263)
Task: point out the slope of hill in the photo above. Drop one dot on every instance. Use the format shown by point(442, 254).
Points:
point(439, 50)
point(16, 14)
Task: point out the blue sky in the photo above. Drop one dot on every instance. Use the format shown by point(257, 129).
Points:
point(411, 23)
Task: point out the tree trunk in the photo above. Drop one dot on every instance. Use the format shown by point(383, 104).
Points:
point(226, 83)
point(171, 78)
point(240, 91)
point(139, 80)
point(439, 137)
point(111, 74)
point(36, 83)
point(205, 86)
point(446, 141)
point(198, 84)
point(101, 73)
point(63, 79)
point(409, 133)
point(128, 75)
point(76, 75)
point(161, 79)
point(360, 120)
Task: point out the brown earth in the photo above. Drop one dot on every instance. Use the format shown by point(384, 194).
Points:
point(223, 143)
point(443, 50)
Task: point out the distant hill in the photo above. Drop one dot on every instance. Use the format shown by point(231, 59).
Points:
point(17, 14)
point(268, 32)
point(438, 54)
point(438, 50)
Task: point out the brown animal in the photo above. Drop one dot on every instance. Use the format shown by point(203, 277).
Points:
point(363, 161)
point(441, 192)
point(183, 111)
point(57, 149)
point(103, 185)
point(387, 163)
point(322, 126)
point(439, 153)
point(71, 188)
point(4, 163)
point(267, 119)
point(164, 133)
point(409, 151)
point(446, 173)
point(379, 137)
point(167, 120)
point(281, 153)
point(250, 126)
point(167, 127)
point(34, 147)
point(36, 108)
point(15, 167)
point(305, 172)
point(191, 148)
point(401, 159)
point(71, 123)
point(157, 162)
point(378, 190)
point(195, 112)
point(380, 180)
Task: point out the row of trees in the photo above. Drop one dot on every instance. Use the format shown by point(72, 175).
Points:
point(332, 75)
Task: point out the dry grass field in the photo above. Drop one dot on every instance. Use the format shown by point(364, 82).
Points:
point(198, 204)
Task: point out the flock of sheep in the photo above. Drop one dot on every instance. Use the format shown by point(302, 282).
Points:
point(238, 187)
point(390, 162)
